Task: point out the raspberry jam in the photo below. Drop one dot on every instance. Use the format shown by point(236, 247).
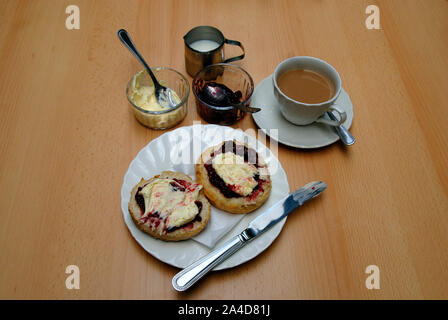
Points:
point(250, 156)
point(139, 199)
point(177, 186)
point(154, 217)
point(217, 181)
point(216, 110)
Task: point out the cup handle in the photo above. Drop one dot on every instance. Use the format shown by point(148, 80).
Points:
point(334, 123)
point(234, 43)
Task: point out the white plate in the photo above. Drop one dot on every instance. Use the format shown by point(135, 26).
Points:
point(315, 135)
point(157, 156)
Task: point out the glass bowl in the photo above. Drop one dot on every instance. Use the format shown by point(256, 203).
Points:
point(167, 118)
point(232, 76)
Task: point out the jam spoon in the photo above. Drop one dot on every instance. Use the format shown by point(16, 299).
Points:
point(220, 95)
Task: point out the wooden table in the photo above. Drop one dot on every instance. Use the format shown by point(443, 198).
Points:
point(67, 136)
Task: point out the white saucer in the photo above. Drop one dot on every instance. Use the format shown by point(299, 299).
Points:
point(315, 135)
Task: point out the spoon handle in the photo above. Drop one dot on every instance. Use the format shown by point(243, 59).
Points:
point(346, 137)
point(126, 39)
point(246, 108)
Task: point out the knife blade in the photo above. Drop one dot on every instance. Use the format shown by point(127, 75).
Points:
point(191, 274)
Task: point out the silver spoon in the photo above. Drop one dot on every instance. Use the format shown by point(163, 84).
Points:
point(163, 94)
point(346, 137)
point(218, 94)
point(245, 108)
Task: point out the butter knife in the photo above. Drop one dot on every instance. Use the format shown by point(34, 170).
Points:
point(188, 276)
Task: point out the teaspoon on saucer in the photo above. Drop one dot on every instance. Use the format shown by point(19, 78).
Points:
point(346, 137)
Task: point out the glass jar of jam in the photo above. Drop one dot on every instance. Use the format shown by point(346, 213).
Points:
point(216, 86)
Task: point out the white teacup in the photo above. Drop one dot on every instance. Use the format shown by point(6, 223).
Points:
point(302, 113)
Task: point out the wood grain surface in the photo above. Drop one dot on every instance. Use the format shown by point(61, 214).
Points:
point(67, 136)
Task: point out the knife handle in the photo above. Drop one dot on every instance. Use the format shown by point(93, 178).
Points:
point(188, 276)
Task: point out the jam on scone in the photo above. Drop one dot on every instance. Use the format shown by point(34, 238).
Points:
point(237, 172)
point(168, 205)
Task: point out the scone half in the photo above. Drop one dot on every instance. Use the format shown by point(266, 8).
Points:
point(234, 176)
point(169, 206)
